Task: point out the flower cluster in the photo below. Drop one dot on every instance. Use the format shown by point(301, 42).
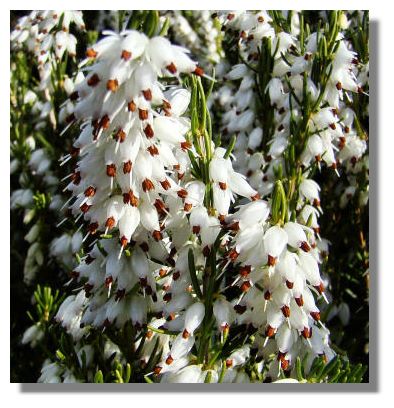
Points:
point(190, 206)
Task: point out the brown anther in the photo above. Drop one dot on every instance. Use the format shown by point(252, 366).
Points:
point(240, 309)
point(196, 229)
point(342, 142)
point(320, 287)
point(316, 203)
point(338, 86)
point(180, 176)
point(169, 360)
point(167, 297)
point(157, 235)
point(153, 150)
point(333, 126)
point(242, 35)
point(172, 68)
point(160, 206)
point(305, 246)
point(131, 106)
point(230, 16)
point(280, 127)
point(229, 363)
point(90, 191)
point(93, 80)
point(144, 246)
point(233, 254)
point(255, 197)
point(91, 53)
point(360, 90)
point(222, 219)
point(149, 334)
point(305, 333)
point(245, 286)
point(120, 135)
point(318, 158)
point(84, 207)
point(271, 260)
point(267, 295)
point(176, 275)
point(147, 185)
point(111, 170)
point(289, 284)
point(245, 270)
point(165, 184)
point(104, 122)
point(142, 114)
point(353, 160)
point(315, 316)
point(147, 94)
point(234, 226)
point(186, 145)
point(108, 281)
point(187, 207)
point(162, 272)
point(260, 19)
point(307, 56)
point(148, 130)
point(112, 85)
point(127, 166)
point(269, 331)
point(284, 364)
point(143, 282)
point(299, 301)
point(285, 310)
point(74, 275)
point(182, 193)
point(185, 334)
point(124, 241)
point(199, 71)
point(93, 227)
point(110, 222)
point(126, 55)
point(157, 370)
point(222, 185)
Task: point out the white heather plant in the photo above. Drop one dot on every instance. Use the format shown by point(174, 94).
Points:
point(190, 206)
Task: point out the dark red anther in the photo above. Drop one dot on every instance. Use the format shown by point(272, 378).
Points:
point(147, 94)
point(271, 260)
point(127, 166)
point(171, 68)
point(143, 114)
point(111, 170)
point(112, 85)
point(93, 80)
point(269, 331)
point(131, 106)
point(147, 185)
point(182, 193)
point(304, 245)
point(285, 310)
point(315, 316)
point(245, 270)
